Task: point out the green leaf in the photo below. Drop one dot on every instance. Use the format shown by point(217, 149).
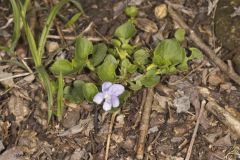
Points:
point(60, 97)
point(123, 54)
point(125, 31)
point(73, 20)
point(44, 77)
point(17, 25)
point(75, 93)
point(126, 64)
point(99, 53)
point(123, 97)
point(150, 79)
point(183, 66)
point(116, 42)
point(168, 52)
point(131, 11)
point(32, 44)
point(83, 48)
point(180, 34)
point(48, 25)
point(106, 72)
point(195, 54)
point(90, 65)
point(61, 66)
point(135, 86)
point(111, 59)
point(141, 57)
point(78, 65)
point(127, 46)
point(89, 91)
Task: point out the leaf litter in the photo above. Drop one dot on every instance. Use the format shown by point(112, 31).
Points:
point(173, 116)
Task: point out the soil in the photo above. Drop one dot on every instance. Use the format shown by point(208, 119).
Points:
point(82, 134)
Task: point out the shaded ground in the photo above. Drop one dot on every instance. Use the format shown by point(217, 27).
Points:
point(23, 106)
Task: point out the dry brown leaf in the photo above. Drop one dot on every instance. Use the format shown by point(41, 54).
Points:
point(212, 136)
point(85, 125)
point(19, 107)
point(224, 141)
point(194, 99)
point(8, 82)
point(215, 79)
point(28, 141)
point(71, 118)
point(12, 154)
point(146, 25)
point(160, 103)
point(182, 103)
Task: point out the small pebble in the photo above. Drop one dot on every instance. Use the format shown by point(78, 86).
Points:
point(161, 11)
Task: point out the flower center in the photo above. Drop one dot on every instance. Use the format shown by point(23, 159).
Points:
point(107, 96)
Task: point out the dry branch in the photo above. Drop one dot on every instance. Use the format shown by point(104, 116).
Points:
point(189, 152)
point(225, 117)
point(207, 50)
point(110, 133)
point(144, 123)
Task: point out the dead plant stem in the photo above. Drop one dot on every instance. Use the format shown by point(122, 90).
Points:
point(144, 124)
point(189, 152)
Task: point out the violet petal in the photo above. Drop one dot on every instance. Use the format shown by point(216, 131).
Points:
point(115, 101)
point(106, 86)
point(98, 98)
point(116, 89)
point(107, 105)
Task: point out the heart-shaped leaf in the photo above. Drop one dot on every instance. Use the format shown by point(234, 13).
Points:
point(150, 79)
point(135, 86)
point(141, 57)
point(111, 59)
point(126, 64)
point(75, 93)
point(61, 65)
point(106, 72)
point(83, 48)
point(131, 11)
point(125, 31)
point(180, 34)
point(89, 91)
point(99, 53)
point(169, 52)
point(195, 54)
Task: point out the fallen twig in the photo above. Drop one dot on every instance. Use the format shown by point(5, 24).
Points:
point(110, 133)
point(14, 76)
point(189, 152)
point(144, 95)
point(225, 117)
point(144, 123)
point(207, 50)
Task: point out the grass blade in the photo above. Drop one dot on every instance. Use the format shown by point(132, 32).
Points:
point(48, 25)
point(29, 35)
point(78, 5)
point(60, 97)
point(15, 62)
point(17, 25)
point(43, 76)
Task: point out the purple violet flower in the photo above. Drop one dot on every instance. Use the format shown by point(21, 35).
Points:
point(110, 93)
